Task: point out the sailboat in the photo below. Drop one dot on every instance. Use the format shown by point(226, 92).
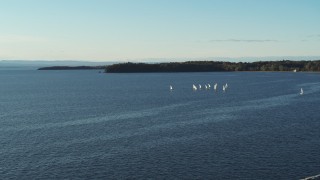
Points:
point(301, 91)
point(171, 88)
point(209, 86)
point(226, 85)
point(199, 86)
point(194, 87)
point(206, 86)
point(223, 88)
point(215, 86)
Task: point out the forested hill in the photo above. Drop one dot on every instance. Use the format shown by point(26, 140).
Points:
point(213, 66)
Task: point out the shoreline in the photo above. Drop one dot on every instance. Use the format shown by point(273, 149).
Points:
point(201, 66)
point(216, 66)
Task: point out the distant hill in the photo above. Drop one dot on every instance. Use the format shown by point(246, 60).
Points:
point(214, 66)
point(26, 64)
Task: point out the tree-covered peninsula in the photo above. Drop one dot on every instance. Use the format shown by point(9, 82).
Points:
point(214, 66)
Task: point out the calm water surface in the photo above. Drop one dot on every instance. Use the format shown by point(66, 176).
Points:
point(85, 124)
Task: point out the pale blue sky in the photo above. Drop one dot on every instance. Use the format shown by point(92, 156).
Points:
point(103, 30)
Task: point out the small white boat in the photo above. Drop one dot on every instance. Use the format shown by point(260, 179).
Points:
point(194, 87)
point(199, 86)
point(215, 86)
point(205, 86)
point(226, 85)
point(301, 91)
point(171, 88)
point(209, 86)
point(223, 88)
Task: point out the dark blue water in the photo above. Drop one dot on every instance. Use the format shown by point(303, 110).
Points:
point(85, 124)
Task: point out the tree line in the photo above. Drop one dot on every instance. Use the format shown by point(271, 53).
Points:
point(214, 66)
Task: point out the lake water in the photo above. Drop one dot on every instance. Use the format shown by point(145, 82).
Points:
point(85, 124)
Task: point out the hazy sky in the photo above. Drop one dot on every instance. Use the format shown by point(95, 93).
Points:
point(138, 29)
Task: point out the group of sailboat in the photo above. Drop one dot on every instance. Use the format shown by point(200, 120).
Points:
point(206, 87)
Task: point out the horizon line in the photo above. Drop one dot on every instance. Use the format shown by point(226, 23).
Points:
point(175, 58)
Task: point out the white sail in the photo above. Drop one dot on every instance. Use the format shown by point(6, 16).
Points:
point(199, 86)
point(194, 87)
point(171, 88)
point(206, 86)
point(209, 86)
point(301, 91)
point(223, 88)
point(215, 86)
point(226, 85)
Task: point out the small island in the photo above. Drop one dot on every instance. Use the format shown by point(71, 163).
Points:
point(214, 66)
